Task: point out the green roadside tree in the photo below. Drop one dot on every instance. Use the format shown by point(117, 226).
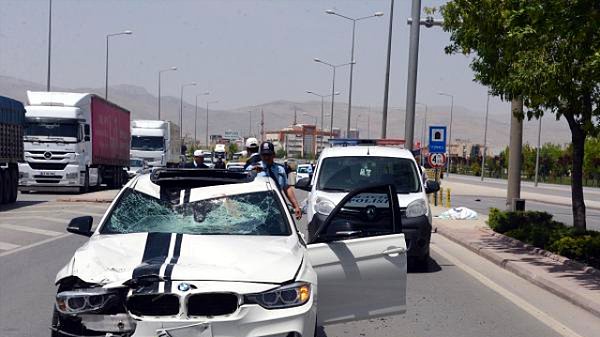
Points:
point(546, 52)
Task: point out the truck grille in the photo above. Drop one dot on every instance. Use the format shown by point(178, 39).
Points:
point(212, 304)
point(153, 305)
point(48, 166)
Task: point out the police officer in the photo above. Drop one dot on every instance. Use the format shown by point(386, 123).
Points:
point(268, 168)
point(198, 160)
point(252, 152)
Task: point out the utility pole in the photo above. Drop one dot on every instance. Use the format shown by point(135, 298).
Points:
point(295, 116)
point(415, 23)
point(387, 76)
point(413, 64)
point(487, 110)
point(250, 125)
point(537, 152)
point(515, 149)
point(49, 43)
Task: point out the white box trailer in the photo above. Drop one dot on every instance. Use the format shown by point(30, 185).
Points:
point(157, 142)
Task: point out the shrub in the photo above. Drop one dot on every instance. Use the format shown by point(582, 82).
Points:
point(540, 230)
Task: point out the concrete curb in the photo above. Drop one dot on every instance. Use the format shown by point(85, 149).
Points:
point(518, 269)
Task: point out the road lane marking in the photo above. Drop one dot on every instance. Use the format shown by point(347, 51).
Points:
point(550, 322)
point(30, 230)
point(39, 243)
point(8, 246)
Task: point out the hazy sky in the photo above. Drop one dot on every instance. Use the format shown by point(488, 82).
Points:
point(245, 52)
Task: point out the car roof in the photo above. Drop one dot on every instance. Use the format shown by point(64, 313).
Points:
point(375, 151)
point(143, 183)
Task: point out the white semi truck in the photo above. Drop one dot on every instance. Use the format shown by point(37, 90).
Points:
point(74, 141)
point(156, 142)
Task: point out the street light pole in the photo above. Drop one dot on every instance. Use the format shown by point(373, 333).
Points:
point(159, 94)
point(423, 132)
point(196, 118)
point(127, 32)
point(487, 111)
point(415, 23)
point(181, 107)
point(352, 62)
point(537, 152)
point(386, 91)
point(322, 109)
point(207, 103)
point(449, 140)
point(334, 67)
point(49, 42)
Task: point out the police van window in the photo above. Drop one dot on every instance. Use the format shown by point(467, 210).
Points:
point(347, 173)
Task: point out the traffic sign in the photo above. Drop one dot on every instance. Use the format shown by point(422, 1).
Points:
point(437, 139)
point(436, 159)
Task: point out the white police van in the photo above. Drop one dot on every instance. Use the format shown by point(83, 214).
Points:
point(342, 169)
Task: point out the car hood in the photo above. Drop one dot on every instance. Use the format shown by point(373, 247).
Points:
point(336, 197)
point(120, 257)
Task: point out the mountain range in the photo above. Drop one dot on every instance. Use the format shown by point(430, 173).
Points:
point(467, 125)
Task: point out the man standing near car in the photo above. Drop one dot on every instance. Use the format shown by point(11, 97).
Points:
point(268, 168)
point(198, 161)
point(252, 152)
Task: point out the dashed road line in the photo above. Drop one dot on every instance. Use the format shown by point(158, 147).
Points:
point(39, 243)
point(8, 246)
point(30, 230)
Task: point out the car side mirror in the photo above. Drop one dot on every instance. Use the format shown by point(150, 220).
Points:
point(81, 225)
point(432, 186)
point(303, 184)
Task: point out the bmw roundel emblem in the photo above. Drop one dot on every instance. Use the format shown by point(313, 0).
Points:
point(183, 286)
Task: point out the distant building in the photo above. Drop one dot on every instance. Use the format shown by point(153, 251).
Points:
point(301, 140)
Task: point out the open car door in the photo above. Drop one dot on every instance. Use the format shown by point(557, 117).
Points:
point(359, 255)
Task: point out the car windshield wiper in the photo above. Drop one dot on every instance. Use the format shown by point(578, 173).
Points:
point(336, 189)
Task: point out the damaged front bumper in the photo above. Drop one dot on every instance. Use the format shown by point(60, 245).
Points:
point(247, 320)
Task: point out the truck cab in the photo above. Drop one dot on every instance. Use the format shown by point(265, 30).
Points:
point(156, 142)
point(73, 141)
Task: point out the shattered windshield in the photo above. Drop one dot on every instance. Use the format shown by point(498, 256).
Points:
point(258, 213)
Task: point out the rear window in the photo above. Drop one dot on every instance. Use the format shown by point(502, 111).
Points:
point(347, 173)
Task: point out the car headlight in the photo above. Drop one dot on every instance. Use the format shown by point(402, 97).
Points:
point(74, 159)
point(416, 208)
point(84, 300)
point(324, 206)
point(288, 296)
point(72, 175)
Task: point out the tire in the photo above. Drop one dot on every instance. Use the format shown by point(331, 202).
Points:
point(14, 187)
point(86, 185)
point(4, 186)
point(422, 262)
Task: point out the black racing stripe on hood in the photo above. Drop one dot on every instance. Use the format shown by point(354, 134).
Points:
point(155, 254)
point(173, 262)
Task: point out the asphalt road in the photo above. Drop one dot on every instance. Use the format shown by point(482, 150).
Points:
point(590, 193)
point(562, 213)
point(459, 294)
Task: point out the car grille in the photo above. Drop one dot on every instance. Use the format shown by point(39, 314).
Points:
point(212, 304)
point(48, 166)
point(153, 305)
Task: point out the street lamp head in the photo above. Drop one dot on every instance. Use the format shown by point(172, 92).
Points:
point(128, 32)
point(317, 59)
point(330, 11)
point(337, 93)
point(378, 14)
point(309, 92)
point(173, 68)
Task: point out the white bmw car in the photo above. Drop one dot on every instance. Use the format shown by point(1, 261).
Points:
point(203, 253)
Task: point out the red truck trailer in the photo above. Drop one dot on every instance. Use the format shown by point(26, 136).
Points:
point(74, 141)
